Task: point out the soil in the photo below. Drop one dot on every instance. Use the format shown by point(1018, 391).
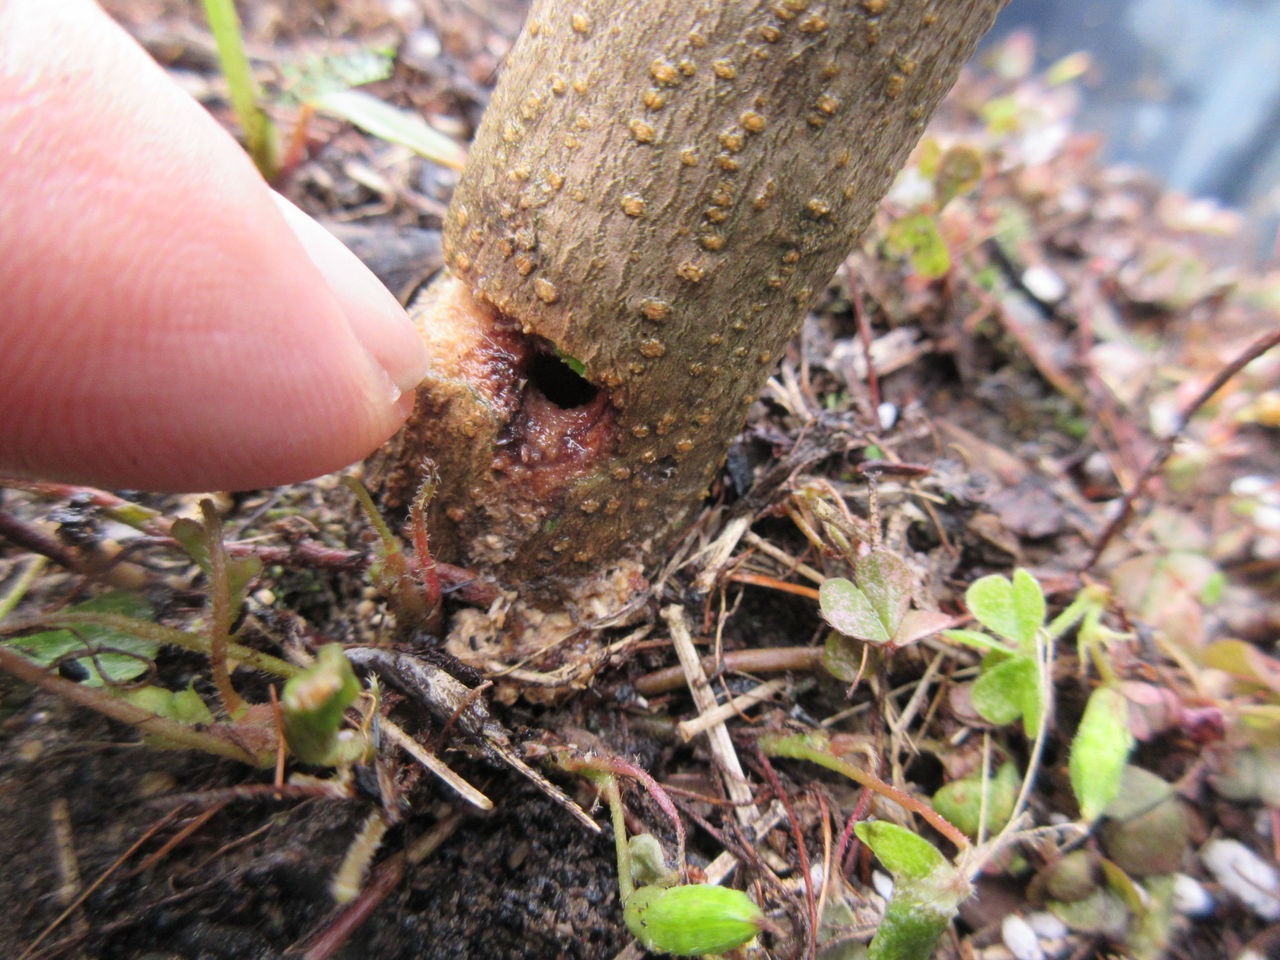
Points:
point(1013, 401)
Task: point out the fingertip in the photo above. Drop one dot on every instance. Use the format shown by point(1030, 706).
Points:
point(377, 320)
point(165, 323)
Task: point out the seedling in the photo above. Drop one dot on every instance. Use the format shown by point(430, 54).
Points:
point(916, 235)
point(927, 892)
point(319, 84)
point(408, 579)
point(876, 609)
point(666, 916)
point(110, 641)
point(928, 889)
point(1015, 678)
point(246, 99)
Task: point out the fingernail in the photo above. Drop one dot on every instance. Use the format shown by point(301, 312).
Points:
point(376, 319)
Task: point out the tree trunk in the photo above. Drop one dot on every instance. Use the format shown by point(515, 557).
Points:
point(658, 190)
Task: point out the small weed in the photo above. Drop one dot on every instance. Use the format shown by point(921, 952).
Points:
point(317, 84)
point(1016, 677)
point(666, 916)
point(246, 98)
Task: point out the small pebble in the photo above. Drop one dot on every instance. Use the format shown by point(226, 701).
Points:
point(883, 884)
point(1251, 485)
point(1020, 938)
point(1046, 925)
point(1243, 873)
point(887, 414)
point(1262, 823)
point(1190, 898)
point(1043, 284)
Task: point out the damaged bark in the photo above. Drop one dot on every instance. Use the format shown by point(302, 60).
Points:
point(656, 193)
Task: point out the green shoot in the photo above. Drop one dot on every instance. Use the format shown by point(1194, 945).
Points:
point(917, 238)
point(1015, 679)
point(410, 582)
point(959, 170)
point(1100, 750)
point(689, 919)
point(21, 584)
point(259, 132)
point(314, 703)
point(927, 892)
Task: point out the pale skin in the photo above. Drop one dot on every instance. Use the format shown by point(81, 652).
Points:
point(167, 322)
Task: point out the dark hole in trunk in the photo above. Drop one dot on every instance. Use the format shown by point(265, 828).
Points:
point(559, 384)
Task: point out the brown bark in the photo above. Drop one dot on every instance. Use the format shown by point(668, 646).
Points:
point(658, 190)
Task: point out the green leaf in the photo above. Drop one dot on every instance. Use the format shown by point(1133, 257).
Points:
point(959, 172)
point(692, 919)
point(194, 540)
point(917, 238)
point(1244, 661)
point(132, 655)
point(1028, 602)
point(392, 124)
point(904, 854)
point(1141, 791)
point(841, 657)
point(850, 611)
point(1014, 611)
point(1145, 830)
point(1099, 751)
point(314, 76)
point(976, 639)
point(1122, 885)
point(910, 929)
point(886, 581)
point(191, 536)
point(928, 156)
point(960, 801)
point(1100, 912)
point(313, 704)
point(927, 890)
point(185, 706)
point(1150, 936)
point(246, 99)
point(1009, 689)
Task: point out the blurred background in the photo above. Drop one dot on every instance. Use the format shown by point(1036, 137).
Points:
point(1188, 89)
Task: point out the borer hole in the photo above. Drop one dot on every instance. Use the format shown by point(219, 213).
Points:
point(558, 383)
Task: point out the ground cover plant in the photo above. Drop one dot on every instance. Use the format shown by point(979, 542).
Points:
point(970, 650)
